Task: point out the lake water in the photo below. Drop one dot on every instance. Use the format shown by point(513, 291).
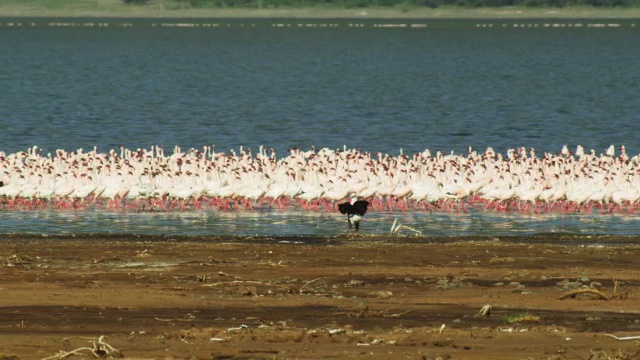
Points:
point(374, 85)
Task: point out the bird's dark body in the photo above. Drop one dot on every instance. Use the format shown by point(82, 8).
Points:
point(354, 212)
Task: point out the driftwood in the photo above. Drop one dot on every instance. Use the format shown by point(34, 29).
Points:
point(615, 296)
point(100, 349)
point(573, 293)
point(397, 226)
point(624, 337)
point(485, 311)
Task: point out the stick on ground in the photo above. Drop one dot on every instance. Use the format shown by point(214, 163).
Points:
point(573, 293)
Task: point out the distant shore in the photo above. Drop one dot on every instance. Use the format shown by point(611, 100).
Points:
point(121, 10)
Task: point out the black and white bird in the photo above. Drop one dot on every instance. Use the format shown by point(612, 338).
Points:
point(355, 211)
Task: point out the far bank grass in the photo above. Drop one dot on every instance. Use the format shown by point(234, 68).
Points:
point(174, 9)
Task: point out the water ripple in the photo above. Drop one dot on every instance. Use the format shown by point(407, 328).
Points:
point(253, 223)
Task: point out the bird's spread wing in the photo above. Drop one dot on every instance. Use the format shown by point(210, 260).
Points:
point(360, 207)
point(344, 208)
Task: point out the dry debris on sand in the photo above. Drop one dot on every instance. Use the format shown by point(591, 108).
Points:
point(356, 296)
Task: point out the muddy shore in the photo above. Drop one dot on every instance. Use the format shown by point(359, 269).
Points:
point(300, 298)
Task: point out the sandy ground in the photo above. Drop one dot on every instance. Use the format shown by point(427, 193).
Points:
point(332, 298)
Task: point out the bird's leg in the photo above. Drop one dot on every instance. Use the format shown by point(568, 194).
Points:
point(357, 224)
point(197, 202)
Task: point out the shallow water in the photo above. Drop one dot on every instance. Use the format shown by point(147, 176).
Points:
point(283, 223)
point(444, 86)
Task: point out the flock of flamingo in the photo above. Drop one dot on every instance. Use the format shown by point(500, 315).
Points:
point(147, 179)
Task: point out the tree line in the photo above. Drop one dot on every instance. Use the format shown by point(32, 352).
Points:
point(351, 4)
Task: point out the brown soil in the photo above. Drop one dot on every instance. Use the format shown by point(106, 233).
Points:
point(332, 298)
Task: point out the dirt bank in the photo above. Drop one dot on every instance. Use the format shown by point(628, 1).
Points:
point(343, 297)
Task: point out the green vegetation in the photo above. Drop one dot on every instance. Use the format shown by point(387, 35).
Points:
point(358, 4)
point(523, 317)
point(415, 9)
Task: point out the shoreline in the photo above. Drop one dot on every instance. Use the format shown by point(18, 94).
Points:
point(455, 13)
point(161, 300)
point(580, 240)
